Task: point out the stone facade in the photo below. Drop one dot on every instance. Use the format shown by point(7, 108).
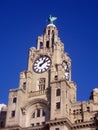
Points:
point(46, 97)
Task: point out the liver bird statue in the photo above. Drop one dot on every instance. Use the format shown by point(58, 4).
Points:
point(51, 19)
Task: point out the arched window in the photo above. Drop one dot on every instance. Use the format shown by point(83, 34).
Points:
point(38, 113)
point(58, 92)
point(37, 117)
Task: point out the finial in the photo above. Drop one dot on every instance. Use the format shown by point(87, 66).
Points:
point(51, 19)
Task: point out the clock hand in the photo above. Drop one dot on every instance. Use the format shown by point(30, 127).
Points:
point(42, 63)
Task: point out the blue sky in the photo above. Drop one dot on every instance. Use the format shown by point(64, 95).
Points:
point(21, 21)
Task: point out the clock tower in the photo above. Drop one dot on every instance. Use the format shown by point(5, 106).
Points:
point(46, 90)
point(46, 96)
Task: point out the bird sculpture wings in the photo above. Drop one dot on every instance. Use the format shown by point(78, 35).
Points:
point(51, 19)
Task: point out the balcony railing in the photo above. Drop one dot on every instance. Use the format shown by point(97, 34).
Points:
point(37, 93)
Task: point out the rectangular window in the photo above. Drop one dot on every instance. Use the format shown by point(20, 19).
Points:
point(3, 114)
point(43, 123)
point(37, 124)
point(1, 124)
point(33, 115)
point(58, 92)
point(38, 112)
point(56, 128)
point(24, 86)
point(48, 32)
point(56, 77)
point(42, 83)
point(14, 100)
point(41, 44)
point(80, 110)
point(58, 105)
point(32, 125)
point(74, 111)
point(13, 114)
point(88, 109)
point(43, 113)
point(47, 44)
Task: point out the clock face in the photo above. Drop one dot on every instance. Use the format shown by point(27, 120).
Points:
point(42, 64)
point(65, 65)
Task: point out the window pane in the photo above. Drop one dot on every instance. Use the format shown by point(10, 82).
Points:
point(43, 113)
point(88, 109)
point(14, 100)
point(24, 86)
point(48, 32)
point(1, 124)
point(58, 105)
point(58, 92)
point(33, 115)
point(56, 128)
point(42, 84)
point(13, 114)
point(38, 112)
point(41, 45)
point(47, 44)
point(37, 124)
point(43, 123)
point(56, 77)
point(32, 125)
